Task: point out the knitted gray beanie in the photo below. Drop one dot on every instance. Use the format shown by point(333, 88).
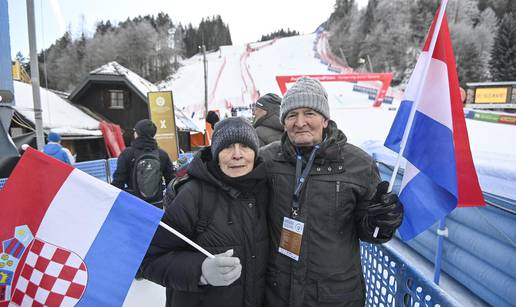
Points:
point(233, 130)
point(305, 93)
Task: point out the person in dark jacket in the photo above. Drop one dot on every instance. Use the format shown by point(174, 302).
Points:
point(54, 149)
point(325, 197)
point(212, 118)
point(227, 184)
point(144, 142)
point(266, 119)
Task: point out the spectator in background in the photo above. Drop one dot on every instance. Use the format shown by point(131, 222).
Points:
point(54, 149)
point(266, 119)
point(143, 144)
point(212, 118)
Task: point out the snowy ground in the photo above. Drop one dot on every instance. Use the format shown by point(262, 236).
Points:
point(145, 293)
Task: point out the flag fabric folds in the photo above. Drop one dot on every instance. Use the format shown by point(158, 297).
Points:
point(439, 173)
point(71, 239)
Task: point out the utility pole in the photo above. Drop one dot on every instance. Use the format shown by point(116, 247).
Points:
point(205, 65)
point(370, 64)
point(34, 72)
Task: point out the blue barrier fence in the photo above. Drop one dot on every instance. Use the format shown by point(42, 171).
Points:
point(111, 164)
point(96, 168)
point(477, 248)
point(390, 281)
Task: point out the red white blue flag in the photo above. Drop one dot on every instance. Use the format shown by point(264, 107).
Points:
point(68, 239)
point(439, 173)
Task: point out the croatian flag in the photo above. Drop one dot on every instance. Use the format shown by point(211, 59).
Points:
point(439, 173)
point(69, 239)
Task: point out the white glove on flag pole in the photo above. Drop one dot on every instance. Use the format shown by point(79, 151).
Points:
point(182, 237)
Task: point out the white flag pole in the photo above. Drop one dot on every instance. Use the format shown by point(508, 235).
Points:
point(431, 48)
point(182, 237)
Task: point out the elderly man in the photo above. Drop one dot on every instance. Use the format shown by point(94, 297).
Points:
point(326, 197)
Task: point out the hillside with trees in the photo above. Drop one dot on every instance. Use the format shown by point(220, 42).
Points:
point(384, 36)
point(149, 45)
point(390, 34)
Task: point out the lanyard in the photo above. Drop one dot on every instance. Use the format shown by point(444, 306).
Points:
point(301, 177)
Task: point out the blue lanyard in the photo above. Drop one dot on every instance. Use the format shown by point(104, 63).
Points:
point(301, 175)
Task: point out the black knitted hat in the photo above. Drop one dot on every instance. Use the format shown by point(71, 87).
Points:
point(145, 128)
point(233, 130)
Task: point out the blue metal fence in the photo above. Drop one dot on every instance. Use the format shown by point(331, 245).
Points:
point(476, 248)
point(96, 168)
point(111, 164)
point(390, 281)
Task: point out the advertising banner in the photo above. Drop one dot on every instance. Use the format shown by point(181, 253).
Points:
point(161, 110)
point(491, 95)
point(384, 78)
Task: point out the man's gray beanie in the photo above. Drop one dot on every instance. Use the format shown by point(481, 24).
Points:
point(233, 130)
point(305, 93)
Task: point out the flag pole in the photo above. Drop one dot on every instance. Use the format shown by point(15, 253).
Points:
point(431, 48)
point(442, 231)
point(182, 237)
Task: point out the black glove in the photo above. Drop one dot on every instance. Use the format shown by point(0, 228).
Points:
point(385, 211)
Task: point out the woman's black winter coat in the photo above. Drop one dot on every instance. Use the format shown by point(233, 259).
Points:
point(238, 222)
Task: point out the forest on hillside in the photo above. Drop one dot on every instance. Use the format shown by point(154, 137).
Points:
point(384, 36)
point(387, 36)
point(151, 46)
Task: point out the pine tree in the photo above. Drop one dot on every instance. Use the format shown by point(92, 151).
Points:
point(278, 34)
point(503, 54)
point(470, 66)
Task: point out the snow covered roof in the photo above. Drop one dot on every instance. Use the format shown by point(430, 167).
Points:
point(137, 83)
point(115, 69)
point(59, 115)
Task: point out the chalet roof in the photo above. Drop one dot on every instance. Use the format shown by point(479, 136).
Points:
point(114, 69)
point(114, 72)
point(59, 115)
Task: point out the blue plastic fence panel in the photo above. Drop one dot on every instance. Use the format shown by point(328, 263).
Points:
point(391, 282)
point(95, 168)
point(2, 182)
point(188, 155)
point(111, 163)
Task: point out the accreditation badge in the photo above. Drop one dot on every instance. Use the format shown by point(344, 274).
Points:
point(291, 236)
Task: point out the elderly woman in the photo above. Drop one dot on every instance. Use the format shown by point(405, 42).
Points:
point(222, 208)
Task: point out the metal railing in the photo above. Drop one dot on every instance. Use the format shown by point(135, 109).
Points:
point(390, 281)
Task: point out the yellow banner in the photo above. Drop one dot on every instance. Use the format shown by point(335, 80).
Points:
point(161, 110)
point(491, 95)
point(16, 71)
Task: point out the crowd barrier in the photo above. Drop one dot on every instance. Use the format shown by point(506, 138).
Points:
point(476, 248)
point(390, 281)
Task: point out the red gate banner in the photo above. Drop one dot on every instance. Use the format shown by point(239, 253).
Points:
point(385, 78)
point(112, 138)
